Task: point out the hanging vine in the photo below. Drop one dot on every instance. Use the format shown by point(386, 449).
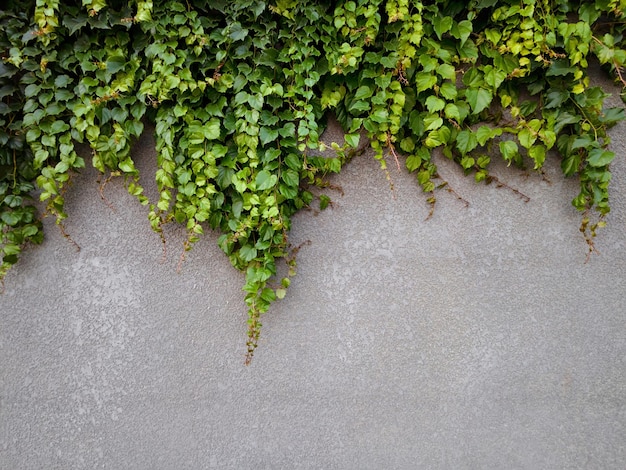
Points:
point(239, 92)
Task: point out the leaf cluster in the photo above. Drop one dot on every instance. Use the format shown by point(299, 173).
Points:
point(239, 92)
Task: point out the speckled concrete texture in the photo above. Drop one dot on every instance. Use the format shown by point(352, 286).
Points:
point(478, 339)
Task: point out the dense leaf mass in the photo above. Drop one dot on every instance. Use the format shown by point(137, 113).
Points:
point(238, 93)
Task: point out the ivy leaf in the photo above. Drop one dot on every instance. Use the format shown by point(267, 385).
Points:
point(448, 90)
point(127, 166)
point(258, 8)
point(446, 71)
point(538, 154)
point(256, 101)
point(570, 165)
point(565, 118)
point(291, 178)
point(555, 98)
point(293, 162)
point(11, 249)
point(353, 140)
point(462, 30)
point(478, 99)
point(466, 141)
point(237, 207)
point(509, 150)
point(237, 32)
point(493, 35)
point(10, 218)
point(600, 157)
point(212, 129)
point(473, 78)
point(359, 106)
point(589, 12)
point(267, 135)
point(442, 25)
point(416, 122)
point(434, 104)
point(62, 81)
point(265, 180)
point(268, 294)
point(438, 137)
point(74, 23)
point(407, 144)
point(560, 67)
point(467, 162)
point(432, 122)
point(604, 54)
point(485, 133)
point(363, 92)
point(526, 138)
point(548, 138)
point(425, 81)
point(115, 63)
point(494, 77)
point(58, 127)
point(413, 162)
point(288, 130)
point(612, 115)
point(380, 115)
point(247, 253)
point(451, 111)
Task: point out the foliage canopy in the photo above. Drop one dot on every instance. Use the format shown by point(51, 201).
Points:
point(238, 92)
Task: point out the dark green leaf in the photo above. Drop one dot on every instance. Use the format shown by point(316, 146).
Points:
point(442, 25)
point(10, 218)
point(116, 63)
point(560, 67)
point(237, 32)
point(612, 115)
point(556, 98)
point(291, 178)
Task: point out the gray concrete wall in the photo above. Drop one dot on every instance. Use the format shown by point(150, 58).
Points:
point(478, 339)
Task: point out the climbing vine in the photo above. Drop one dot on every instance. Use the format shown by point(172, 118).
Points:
point(239, 92)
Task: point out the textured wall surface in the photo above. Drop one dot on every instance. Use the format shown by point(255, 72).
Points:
point(477, 339)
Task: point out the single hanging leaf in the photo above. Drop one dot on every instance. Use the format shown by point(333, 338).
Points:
point(509, 150)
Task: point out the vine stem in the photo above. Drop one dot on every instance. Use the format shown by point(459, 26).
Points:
point(502, 184)
point(68, 237)
point(101, 188)
point(392, 149)
point(14, 169)
point(452, 191)
point(619, 74)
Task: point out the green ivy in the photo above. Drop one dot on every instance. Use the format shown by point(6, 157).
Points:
point(239, 92)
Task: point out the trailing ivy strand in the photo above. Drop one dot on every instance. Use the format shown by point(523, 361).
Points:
point(239, 92)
